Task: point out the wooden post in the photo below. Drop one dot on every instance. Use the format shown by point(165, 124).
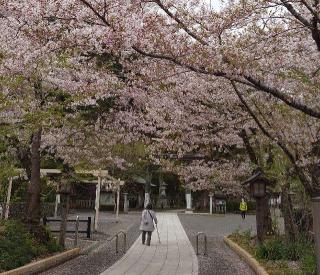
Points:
point(44, 220)
point(97, 204)
point(260, 219)
point(89, 228)
point(7, 208)
point(316, 228)
point(76, 232)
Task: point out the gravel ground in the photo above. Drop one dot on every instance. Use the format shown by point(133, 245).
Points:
point(221, 259)
point(102, 254)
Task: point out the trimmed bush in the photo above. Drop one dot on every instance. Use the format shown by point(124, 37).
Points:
point(276, 252)
point(272, 250)
point(18, 247)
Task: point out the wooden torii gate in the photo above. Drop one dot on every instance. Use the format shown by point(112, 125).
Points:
point(100, 174)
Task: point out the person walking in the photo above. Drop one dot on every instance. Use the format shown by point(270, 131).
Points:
point(147, 226)
point(243, 208)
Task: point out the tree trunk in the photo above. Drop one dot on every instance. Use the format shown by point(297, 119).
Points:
point(267, 220)
point(34, 189)
point(263, 218)
point(64, 219)
point(291, 229)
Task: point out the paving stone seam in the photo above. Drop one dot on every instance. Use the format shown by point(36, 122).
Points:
point(154, 253)
point(177, 241)
point(168, 258)
point(129, 252)
point(185, 241)
point(167, 241)
point(137, 261)
point(161, 230)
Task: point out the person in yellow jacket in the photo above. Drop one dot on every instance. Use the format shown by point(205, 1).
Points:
point(243, 208)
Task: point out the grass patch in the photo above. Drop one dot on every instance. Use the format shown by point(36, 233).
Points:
point(18, 247)
point(278, 256)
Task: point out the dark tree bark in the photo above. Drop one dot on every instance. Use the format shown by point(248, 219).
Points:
point(244, 136)
point(34, 189)
point(263, 214)
point(291, 229)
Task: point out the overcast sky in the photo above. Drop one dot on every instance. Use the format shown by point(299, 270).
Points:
point(215, 4)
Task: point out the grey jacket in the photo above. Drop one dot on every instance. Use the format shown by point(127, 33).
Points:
point(147, 220)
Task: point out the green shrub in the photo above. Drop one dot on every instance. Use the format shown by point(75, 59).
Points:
point(278, 249)
point(247, 234)
point(308, 263)
point(273, 249)
point(18, 247)
point(232, 206)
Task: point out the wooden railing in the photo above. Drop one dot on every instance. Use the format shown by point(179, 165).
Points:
point(82, 204)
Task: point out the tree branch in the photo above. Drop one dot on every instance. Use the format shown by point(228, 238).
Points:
point(183, 26)
point(252, 82)
point(252, 155)
point(296, 14)
point(284, 148)
point(179, 63)
point(312, 10)
point(261, 127)
point(283, 97)
point(103, 18)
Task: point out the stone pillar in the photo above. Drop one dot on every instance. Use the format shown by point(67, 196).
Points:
point(210, 195)
point(97, 204)
point(56, 205)
point(147, 193)
point(146, 199)
point(316, 228)
point(126, 203)
point(188, 201)
point(118, 202)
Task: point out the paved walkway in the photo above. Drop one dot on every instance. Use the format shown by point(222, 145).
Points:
point(174, 255)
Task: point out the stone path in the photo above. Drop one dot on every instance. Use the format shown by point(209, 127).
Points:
point(220, 258)
point(174, 255)
point(102, 254)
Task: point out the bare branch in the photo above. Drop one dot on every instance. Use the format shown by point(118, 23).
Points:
point(296, 14)
point(312, 10)
point(179, 63)
point(182, 25)
point(283, 97)
point(285, 149)
point(103, 18)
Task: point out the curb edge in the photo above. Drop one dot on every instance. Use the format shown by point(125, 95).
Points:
point(44, 264)
point(248, 258)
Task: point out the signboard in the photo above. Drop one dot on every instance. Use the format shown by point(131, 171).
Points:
point(107, 199)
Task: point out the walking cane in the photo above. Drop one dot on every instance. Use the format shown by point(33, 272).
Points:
point(158, 233)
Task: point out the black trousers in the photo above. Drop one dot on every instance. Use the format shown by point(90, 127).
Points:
point(148, 237)
point(243, 214)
